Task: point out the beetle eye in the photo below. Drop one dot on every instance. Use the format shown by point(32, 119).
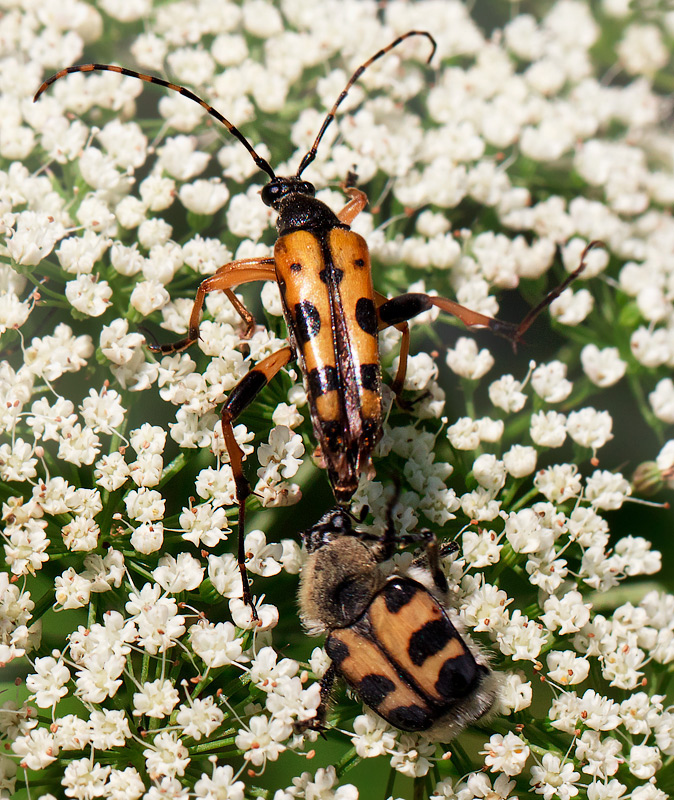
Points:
point(269, 193)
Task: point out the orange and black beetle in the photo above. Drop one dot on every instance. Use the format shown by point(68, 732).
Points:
point(331, 309)
point(394, 638)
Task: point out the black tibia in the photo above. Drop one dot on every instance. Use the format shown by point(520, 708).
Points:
point(241, 396)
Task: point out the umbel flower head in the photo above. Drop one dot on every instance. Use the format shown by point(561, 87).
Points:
point(139, 670)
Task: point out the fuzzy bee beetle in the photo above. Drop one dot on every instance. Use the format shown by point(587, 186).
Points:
point(395, 639)
point(332, 311)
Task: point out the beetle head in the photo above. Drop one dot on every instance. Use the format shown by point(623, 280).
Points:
point(279, 188)
point(331, 526)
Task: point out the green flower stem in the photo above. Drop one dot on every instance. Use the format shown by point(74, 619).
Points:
point(145, 667)
point(347, 761)
point(215, 744)
point(131, 556)
point(92, 611)
point(523, 502)
point(172, 469)
point(637, 387)
point(460, 759)
point(541, 751)
point(469, 387)
point(388, 791)
point(419, 788)
point(44, 604)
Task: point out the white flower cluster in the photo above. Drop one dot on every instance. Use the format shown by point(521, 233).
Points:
point(538, 139)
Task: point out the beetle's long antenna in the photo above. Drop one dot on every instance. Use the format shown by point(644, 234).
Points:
point(311, 155)
point(554, 294)
point(261, 162)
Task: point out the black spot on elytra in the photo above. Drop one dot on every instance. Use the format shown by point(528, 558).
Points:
point(410, 718)
point(366, 316)
point(373, 689)
point(336, 649)
point(370, 432)
point(369, 376)
point(398, 593)
point(307, 321)
point(322, 380)
point(359, 262)
point(295, 267)
point(331, 275)
point(459, 677)
point(429, 639)
point(333, 433)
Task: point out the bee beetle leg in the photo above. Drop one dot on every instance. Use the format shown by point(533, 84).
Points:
point(317, 722)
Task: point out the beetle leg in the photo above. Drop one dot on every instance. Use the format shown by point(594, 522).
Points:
point(327, 682)
point(317, 722)
point(448, 549)
point(406, 306)
point(391, 538)
point(433, 558)
point(241, 396)
point(404, 328)
point(234, 274)
point(433, 551)
point(355, 205)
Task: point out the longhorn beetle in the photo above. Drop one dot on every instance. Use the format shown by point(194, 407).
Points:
point(332, 312)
